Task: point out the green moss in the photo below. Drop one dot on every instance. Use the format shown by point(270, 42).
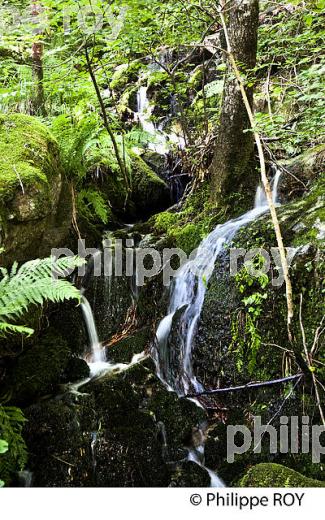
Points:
point(187, 228)
point(195, 80)
point(187, 238)
point(142, 174)
point(127, 100)
point(28, 154)
point(124, 74)
point(164, 221)
point(157, 79)
point(39, 369)
point(275, 475)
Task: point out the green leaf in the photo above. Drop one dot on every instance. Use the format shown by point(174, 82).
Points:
point(3, 446)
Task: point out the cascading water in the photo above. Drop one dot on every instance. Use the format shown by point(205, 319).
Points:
point(97, 353)
point(187, 297)
point(159, 143)
point(162, 141)
point(195, 455)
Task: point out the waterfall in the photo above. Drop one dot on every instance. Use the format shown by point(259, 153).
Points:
point(187, 295)
point(194, 456)
point(161, 140)
point(97, 353)
point(143, 115)
point(260, 197)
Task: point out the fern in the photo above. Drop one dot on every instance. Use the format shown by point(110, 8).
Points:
point(74, 138)
point(90, 201)
point(14, 452)
point(215, 88)
point(32, 284)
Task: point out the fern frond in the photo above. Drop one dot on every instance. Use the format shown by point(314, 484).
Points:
point(215, 88)
point(91, 201)
point(11, 424)
point(32, 284)
point(9, 328)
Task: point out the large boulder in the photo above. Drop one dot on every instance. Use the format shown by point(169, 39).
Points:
point(146, 195)
point(35, 204)
point(123, 429)
point(276, 475)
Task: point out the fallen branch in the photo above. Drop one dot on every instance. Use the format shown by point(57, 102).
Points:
point(248, 386)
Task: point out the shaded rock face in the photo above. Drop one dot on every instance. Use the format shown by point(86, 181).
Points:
point(215, 356)
point(147, 194)
point(41, 367)
point(300, 172)
point(122, 430)
point(35, 201)
point(212, 359)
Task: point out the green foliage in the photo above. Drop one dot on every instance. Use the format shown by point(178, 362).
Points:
point(13, 452)
point(90, 202)
point(246, 338)
point(290, 47)
point(28, 153)
point(75, 136)
point(215, 88)
point(32, 284)
point(3, 449)
point(165, 220)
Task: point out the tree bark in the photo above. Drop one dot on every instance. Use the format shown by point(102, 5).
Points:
point(234, 163)
point(38, 101)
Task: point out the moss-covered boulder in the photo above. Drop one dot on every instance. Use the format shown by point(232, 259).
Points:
point(35, 206)
point(147, 193)
point(41, 367)
point(276, 475)
point(125, 74)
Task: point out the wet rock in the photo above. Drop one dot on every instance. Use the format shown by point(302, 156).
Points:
point(76, 370)
point(190, 474)
point(119, 430)
point(124, 350)
point(59, 451)
point(39, 368)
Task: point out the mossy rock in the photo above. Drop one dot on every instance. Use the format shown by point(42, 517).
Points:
point(59, 443)
point(301, 170)
point(190, 474)
point(124, 350)
point(125, 74)
point(35, 206)
point(275, 475)
point(147, 193)
point(38, 370)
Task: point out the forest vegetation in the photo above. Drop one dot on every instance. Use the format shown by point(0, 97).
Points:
point(159, 123)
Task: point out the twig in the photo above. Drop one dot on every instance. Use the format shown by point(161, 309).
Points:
point(19, 178)
point(246, 387)
point(310, 363)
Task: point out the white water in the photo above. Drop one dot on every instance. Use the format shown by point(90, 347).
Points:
point(194, 456)
point(188, 293)
point(97, 353)
point(160, 141)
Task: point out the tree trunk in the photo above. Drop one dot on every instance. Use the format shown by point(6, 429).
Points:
point(38, 101)
point(234, 163)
